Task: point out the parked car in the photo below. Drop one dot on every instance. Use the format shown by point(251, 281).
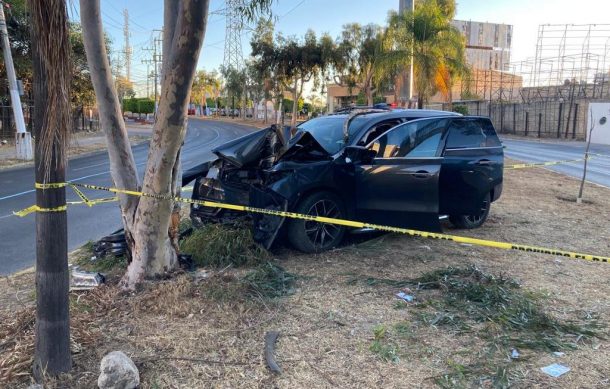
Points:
point(401, 168)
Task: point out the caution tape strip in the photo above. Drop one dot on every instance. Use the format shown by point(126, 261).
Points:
point(538, 164)
point(344, 222)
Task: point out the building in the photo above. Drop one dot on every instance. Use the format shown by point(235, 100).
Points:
point(487, 44)
point(488, 50)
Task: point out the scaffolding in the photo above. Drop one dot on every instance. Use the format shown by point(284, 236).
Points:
point(547, 95)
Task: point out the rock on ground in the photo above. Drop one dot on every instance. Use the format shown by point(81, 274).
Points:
point(117, 371)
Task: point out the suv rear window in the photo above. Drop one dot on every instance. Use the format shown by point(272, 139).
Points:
point(465, 134)
point(490, 133)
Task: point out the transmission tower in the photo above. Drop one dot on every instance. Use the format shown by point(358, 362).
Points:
point(127, 49)
point(233, 55)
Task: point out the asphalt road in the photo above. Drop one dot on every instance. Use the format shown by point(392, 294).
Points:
point(17, 235)
point(598, 170)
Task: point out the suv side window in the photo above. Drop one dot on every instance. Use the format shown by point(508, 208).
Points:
point(465, 134)
point(419, 139)
point(490, 133)
point(377, 130)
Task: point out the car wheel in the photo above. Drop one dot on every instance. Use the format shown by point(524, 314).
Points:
point(473, 221)
point(314, 237)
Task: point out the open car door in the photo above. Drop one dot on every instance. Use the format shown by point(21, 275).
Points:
point(400, 186)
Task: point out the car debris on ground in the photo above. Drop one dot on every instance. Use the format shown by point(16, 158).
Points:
point(555, 370)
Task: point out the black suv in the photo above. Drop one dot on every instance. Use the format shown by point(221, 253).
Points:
point(402, 168)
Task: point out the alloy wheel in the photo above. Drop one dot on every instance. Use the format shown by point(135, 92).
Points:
point(322, 235)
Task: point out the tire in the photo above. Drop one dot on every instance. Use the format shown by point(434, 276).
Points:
point(313, 237)
point(473, 221)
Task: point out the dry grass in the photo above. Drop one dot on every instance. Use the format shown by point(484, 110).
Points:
point(194, 332)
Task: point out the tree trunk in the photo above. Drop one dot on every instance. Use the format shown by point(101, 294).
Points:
point(51, 50)
point(369, 97)
point(155, 254)
point(265, 113)
point(122, 164)
point(295, 104)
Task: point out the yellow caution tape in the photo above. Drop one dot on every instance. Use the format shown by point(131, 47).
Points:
point(538, 164)
point(52, 185)
point(342, 222)
point(36, 208)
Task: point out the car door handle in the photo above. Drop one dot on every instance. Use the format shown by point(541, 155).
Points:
point(421, 174)
point(484, 162)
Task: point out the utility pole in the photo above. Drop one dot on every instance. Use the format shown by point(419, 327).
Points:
point(127, 49)
point(23, 139)
point(156, 59)
point(407, 76)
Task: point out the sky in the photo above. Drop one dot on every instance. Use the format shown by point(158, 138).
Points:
point(295, 17)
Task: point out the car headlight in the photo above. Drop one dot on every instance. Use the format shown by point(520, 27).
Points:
point(210, 188)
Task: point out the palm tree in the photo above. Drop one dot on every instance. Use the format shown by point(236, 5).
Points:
point(437, 48)
point(52, 72)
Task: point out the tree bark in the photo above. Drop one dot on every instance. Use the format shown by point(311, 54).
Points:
point(295, 103)
point(155, 254)
point(50, 50)
point(122, 164)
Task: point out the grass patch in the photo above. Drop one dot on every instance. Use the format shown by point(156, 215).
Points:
point(496, 308)
point(217, 245)
point(512, 317)
point(386, 350)
point(269, 281)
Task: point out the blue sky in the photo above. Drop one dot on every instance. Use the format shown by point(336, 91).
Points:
point(296, 16)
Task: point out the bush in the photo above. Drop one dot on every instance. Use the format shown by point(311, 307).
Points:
point(219, 246)
point(146, 105)
point(130, 105)
point(460, 108)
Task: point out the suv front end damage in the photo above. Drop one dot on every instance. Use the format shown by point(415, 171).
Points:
point(257, 170)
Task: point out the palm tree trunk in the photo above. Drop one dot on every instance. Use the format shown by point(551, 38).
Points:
point(51, 53)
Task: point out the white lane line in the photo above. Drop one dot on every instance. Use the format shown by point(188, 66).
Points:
point(16, 194)
point(90, 166)
point(97, 174)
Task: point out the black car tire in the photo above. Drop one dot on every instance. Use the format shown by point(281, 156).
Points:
point(313, 237)
point(473, 221)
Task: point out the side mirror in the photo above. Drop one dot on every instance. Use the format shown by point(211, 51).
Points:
point(359, 154)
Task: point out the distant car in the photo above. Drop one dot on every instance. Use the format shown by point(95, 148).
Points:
point(401, 168)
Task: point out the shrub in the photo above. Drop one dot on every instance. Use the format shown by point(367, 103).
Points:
point(219, 246)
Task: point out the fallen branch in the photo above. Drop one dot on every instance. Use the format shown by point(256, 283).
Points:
point(270, 339)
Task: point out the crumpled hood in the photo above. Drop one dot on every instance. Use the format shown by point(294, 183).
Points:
point(303, 146)
point(250, 149)
point(246, 150)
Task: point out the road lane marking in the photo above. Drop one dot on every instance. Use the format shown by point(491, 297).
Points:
point(90, 166)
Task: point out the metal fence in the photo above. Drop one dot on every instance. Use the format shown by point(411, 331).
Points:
point(83, 119)
point(541, 119)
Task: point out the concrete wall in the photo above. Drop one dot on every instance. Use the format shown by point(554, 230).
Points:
point(550, 119)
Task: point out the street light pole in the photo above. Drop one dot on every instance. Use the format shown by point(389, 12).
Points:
point(23, 139)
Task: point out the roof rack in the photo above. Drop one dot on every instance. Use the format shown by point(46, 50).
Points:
point(383, 107)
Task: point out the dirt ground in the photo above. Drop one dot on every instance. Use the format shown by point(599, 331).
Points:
point(190, 331)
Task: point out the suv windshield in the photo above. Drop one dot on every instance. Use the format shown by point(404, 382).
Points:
point(328, 130)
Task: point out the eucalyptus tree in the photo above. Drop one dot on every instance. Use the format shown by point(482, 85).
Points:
point(360, 64)
point(146, 220)
point(294, 62)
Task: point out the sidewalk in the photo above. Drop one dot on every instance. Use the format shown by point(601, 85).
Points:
point(80, 143)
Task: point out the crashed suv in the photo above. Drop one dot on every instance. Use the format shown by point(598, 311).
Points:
point(402, 168)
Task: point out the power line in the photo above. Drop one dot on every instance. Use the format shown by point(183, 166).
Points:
point(293, 8)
